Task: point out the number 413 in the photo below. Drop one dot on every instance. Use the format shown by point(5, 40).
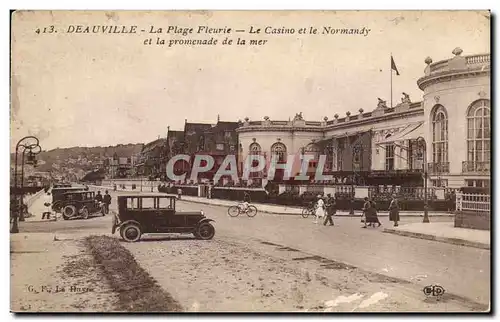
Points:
point(46, 30)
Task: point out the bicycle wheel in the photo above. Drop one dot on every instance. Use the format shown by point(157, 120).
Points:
point(251, 211)
point(233, 211)
point(306, 212)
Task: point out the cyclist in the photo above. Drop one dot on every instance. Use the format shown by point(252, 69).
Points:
point(246, 202)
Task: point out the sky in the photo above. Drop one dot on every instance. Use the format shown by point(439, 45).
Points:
point(73, 89)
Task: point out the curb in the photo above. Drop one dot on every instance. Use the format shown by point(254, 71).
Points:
point(448, 240)
point(402, 214)
point(39, 221)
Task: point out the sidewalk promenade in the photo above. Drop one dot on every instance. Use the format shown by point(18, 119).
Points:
point(285, 210)
point(444, 232)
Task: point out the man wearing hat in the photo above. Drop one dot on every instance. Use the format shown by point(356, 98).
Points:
point(330, 209)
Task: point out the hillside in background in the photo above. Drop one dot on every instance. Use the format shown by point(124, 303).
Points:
point(79, 160)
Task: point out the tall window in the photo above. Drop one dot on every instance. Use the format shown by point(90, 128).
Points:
point(201, 143)
point(389, 156)
point(356, 157)
point(313, 149)
point(478, 133)
point(279, 149)
point(340, 154)
point(440, 135)
point(255, 149)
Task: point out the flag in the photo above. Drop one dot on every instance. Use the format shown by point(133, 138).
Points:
point(393, 66)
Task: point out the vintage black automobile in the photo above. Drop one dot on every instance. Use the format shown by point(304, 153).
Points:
point(156, 214)
point(58, 196)
point(81, 204)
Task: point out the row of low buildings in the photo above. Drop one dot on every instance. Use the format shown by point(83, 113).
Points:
point(446, 134)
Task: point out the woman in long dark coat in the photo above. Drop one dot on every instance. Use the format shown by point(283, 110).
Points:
point(394, 211)
point(369, 213)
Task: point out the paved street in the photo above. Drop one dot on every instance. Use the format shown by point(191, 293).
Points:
point(463, 271)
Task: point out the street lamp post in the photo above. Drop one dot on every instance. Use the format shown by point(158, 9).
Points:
point(421, 142)
point(29, 144)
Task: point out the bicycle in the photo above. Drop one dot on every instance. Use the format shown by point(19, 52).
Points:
point(234, 211)
point(308, 210)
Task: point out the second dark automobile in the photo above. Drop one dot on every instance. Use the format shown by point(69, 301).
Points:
point(58, 196)
point(81, 204)
point(146, 214)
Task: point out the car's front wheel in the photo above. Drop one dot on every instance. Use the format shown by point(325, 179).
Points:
point(85, 213)
point(131, 233)
point(206, 231)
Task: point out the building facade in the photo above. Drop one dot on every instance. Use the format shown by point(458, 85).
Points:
point(457, 119)
point(395, 144)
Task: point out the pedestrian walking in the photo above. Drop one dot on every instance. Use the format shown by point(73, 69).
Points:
point(394, 211)
point(375, 213)
point(179, 193)
point(330, 210)
point(106, 199)
point(47, 202)
point(320, 209)
point(370, 212)
point(452, 201)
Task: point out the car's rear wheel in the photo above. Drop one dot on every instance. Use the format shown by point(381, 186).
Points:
point(206, 231)
point(85, 213)
point(233, 211)
point(131, 233)
point(252, 211)
point(56, 206)
point(69, 211)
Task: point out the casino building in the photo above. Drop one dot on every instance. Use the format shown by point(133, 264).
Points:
point(447, 133)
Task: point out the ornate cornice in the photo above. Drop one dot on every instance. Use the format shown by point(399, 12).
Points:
point(343, 125)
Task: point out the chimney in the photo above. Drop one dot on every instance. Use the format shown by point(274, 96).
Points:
point(218, 118)
point(185, 121)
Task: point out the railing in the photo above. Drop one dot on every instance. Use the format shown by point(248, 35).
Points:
point(313, 123)
point(438, 167)
point(403, 193)
point(443, 66)
point(473, 202)
point(475, 166)
point(478, 59)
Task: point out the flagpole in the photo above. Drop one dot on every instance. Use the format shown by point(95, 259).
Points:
point(390, 69)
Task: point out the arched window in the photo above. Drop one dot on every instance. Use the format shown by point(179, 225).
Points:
point(279, 149)
point(440, 136)
point(478, 134)
point(254, 148)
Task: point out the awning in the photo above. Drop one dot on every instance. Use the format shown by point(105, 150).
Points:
point(338, 136)
point(410, 132)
